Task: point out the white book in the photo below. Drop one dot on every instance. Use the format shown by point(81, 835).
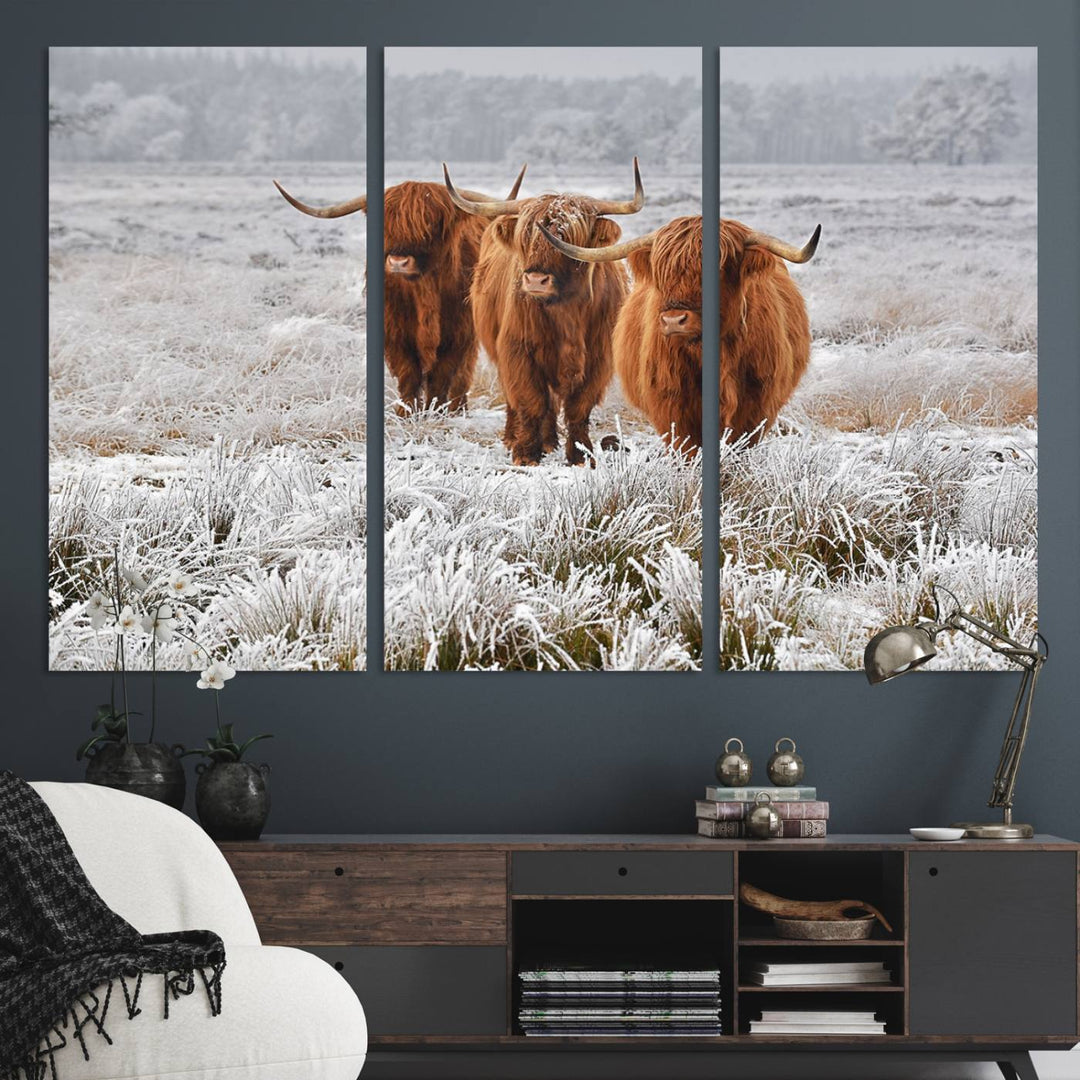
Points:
point(758, 1027)
point(812, 966)
point(818, 1016)
point(839, 978)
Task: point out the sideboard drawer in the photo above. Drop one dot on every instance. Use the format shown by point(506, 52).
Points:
point(437, 990)
point(622, 873)
point(303, 897)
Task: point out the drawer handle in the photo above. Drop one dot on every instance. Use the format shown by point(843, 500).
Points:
point(623, 871)
point(338, 871)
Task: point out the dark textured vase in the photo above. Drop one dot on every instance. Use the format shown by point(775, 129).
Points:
point(232, 799)
point(149, 769)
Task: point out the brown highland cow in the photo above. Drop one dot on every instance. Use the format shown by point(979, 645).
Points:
point(546, 320)
point(764, 339)
point(657, 340)
point(764, 329)
point(431, 248)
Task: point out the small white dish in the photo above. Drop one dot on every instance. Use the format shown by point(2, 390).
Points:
point(939, 834)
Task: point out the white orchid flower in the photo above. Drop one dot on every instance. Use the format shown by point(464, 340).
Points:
point(99, 610)
point(223, 669)
point(180, 584)
point(192, 654)
point(215, 676)
point(134, 579)
point(126, 621)
point(160, 623)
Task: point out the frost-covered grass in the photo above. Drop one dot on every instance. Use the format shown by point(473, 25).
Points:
point(492, 567)
point(207, 406)
point(908, 455)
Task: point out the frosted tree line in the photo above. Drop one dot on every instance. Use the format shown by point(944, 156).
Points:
point(203, 105)
point(963, 115)
point(209, 105)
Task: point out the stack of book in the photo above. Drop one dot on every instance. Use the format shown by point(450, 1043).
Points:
point(721, 814)
point(817, 1022)
point(569, 1001)
point(817, 973)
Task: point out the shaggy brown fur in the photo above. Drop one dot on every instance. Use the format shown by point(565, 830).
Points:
point(764, 334)
point(661, 372)
point(554, 351)
point(430, 344)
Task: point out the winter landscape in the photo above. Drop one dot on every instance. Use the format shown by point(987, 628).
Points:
point(206, 372)
point(489, 566)
point(908, 455)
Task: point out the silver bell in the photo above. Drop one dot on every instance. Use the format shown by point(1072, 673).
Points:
point(785, 767)
point(763, 822)
point(734, 767)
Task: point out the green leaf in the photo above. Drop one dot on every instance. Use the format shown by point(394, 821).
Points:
point(85, 747)
point(254, 739)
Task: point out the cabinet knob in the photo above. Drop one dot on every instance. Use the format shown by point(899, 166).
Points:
point(338, 965)
point(338, 871)
point(933, 871)
point(623, 871)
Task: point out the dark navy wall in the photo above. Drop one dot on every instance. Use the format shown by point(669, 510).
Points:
point(557, 752)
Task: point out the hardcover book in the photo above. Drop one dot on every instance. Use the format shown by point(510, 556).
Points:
point(735, 810)
point(714, 793)
point(793, 829)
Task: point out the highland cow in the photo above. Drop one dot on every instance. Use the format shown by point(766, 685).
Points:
point(764, 328)
point(657, 339)
point(430, 248)
point(764, 331)
point(546, 320)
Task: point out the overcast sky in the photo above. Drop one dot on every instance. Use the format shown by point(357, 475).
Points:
point(671, 63)
point(798, 64)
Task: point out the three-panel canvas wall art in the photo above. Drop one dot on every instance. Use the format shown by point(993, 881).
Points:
point(545, 339)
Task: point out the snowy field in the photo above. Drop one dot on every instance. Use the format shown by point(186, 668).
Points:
point(493, 567)
point(206, 377)
point(909, 453)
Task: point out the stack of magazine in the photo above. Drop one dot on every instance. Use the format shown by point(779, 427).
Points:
point(595, 1001)
point(816, 973)
point(817, 1022)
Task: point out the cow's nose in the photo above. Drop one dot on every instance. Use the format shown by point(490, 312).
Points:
point(536, 281)
point(401, 264)
point(674, 322)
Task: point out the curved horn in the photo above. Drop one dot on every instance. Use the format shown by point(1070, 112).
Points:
point(785, 251)
point(517, 183)
point(340, 210)
point(599, 254)
point(492, 209)
point(628, 206)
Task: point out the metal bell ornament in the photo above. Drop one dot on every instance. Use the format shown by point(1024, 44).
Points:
point(734, 767)
point(763, 822)
point(785, 767)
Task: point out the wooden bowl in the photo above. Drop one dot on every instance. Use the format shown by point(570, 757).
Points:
point(858, 929)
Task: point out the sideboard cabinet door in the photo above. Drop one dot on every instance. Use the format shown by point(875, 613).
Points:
point(425, 990)
point(992, 943)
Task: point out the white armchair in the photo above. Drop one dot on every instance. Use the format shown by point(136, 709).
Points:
point(286, 1015)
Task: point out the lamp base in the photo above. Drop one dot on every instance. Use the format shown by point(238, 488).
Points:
point(994, 830)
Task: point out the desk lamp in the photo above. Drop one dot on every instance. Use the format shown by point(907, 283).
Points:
point(900, 649)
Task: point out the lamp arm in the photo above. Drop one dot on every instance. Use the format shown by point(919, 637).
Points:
point(1023, 655)
point(1012, 746)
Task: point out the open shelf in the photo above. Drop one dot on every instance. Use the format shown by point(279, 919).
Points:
point(839, 988)
point(620, 933)
point(762, 941)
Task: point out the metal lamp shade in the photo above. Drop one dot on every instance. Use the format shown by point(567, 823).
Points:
point(897, 650)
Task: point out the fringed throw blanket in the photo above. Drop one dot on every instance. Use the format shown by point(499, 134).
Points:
point(66, 958)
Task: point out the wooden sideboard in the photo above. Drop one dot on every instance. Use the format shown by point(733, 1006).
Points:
point(430, 930)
